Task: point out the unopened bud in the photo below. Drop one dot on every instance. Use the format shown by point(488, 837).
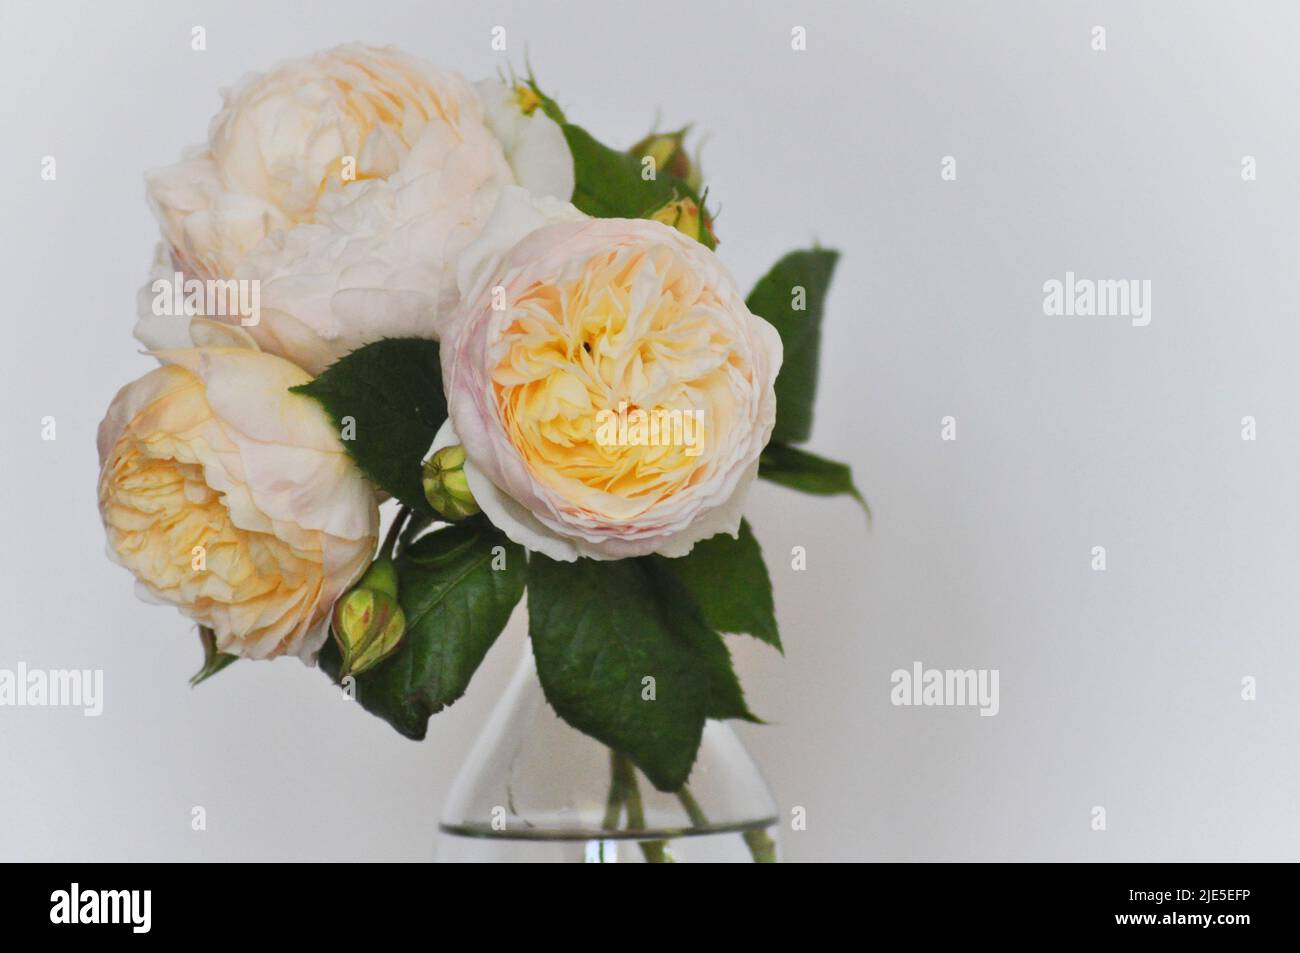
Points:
point(368, 626)
point(381, 577)
point(526, 99)
point(683, 215)
point(668, 149)
point(445, 485)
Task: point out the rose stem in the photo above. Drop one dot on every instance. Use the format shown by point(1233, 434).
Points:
point(692, 806)
point(655, 851)
point(761, 847)
point(617, 794)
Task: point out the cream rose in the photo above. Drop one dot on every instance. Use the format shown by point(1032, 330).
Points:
point(380, 262)
point(233, 499)
point(569, 325)
point(284, 140)
point(345, 185)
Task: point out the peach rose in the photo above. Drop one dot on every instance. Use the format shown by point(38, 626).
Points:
point(610, 388)
point(232, 499)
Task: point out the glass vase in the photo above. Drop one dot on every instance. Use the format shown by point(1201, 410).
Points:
point(534, 789)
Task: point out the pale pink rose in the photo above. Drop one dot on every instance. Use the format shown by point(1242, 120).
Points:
point(345, 185)
point(590, 316)
point(380, 261)
point(232, 499)
point(286, 139)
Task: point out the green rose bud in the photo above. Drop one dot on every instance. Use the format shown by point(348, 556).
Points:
point(683, 215)
point(381, 577)
point(368, 625)
point(445, 485)
point(668, 149)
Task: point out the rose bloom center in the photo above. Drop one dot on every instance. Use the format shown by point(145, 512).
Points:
point(618, 378)
point(159, 509)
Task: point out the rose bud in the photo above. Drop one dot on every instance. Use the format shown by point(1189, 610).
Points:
point(445, 485)
point(669, 152)
point(368, 626)
point(381, 577)
point(683, 215)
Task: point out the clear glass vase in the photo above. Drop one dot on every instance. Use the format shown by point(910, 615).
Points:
point(536, 790)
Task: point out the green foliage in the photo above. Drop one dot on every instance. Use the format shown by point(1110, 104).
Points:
point(808, 473)
point(624, 654)
point(729, 581)
point(792, 297)
point(457, 587)
point(387, 398)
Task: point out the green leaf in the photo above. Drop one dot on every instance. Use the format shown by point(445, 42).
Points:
point(730, 584)
point(808, 473)
point(726, 698)
point(213, 660)
point(456, 604)
point(775, 298)
point(392, 391)
point(609, 183)
point(599, 628)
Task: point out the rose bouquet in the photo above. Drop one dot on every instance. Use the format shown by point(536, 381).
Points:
point(381, 285)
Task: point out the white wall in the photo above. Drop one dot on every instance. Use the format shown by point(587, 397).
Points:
point(1119, 689)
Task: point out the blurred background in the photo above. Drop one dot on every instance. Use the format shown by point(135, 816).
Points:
point(1120, 689)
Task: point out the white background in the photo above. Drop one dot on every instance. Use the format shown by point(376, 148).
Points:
point(1118, 688)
